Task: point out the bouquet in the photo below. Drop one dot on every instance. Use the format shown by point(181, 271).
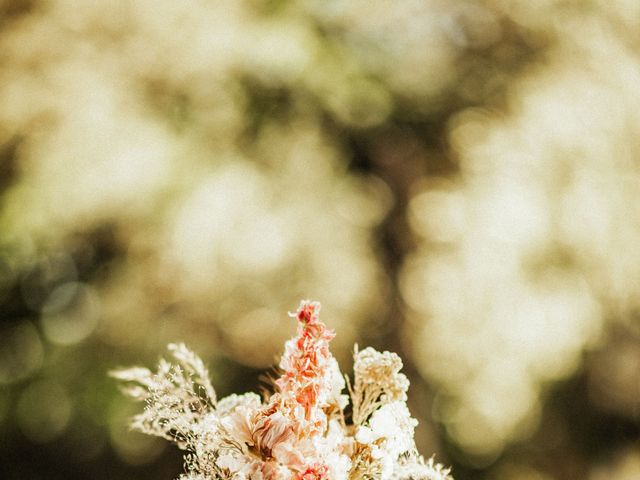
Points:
point(304, 430)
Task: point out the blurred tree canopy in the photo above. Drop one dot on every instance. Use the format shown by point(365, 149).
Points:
point(455, 180)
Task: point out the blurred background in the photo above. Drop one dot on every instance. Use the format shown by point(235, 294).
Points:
point(455, 180)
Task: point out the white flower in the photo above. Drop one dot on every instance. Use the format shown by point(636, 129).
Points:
point(378, 381)
point(232, 461)
point(414, 467)
point(246, 400)
point(388, 435)
point(236, 413)
point(331, 450)
point(394, 423)
point(336, 380)
point(381, 369)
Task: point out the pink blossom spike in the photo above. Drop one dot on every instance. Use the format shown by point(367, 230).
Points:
point(306, 360)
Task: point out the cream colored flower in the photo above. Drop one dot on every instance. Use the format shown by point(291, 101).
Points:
point(383, 370)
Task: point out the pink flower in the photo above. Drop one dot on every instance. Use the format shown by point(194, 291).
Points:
point(316, 471)
point(295, 414)
point(271, 430)
point(310, 326)
point(306, 359)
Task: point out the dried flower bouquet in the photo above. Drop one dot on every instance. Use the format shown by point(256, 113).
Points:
point(301, 431)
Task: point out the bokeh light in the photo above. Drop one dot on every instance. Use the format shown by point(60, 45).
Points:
point(43, 410)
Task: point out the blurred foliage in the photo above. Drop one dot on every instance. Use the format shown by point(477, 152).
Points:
point(454, 180)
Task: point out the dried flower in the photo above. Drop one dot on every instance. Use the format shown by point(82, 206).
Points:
point(300, 432)
point(377, 381)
